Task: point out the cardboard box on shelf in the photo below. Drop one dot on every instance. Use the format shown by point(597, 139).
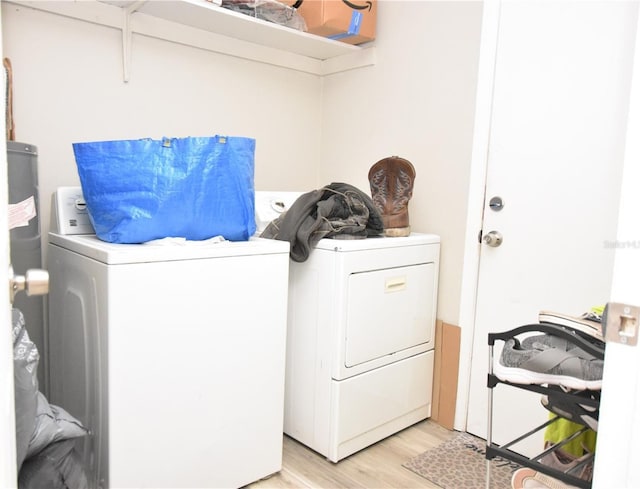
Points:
point(350, 21)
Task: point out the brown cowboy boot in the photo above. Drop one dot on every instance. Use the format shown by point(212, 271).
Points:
point(391, 180)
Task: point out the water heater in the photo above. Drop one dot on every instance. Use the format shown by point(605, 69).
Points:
point(22, 167)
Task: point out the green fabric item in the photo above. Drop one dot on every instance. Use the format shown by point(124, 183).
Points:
point(563, 428)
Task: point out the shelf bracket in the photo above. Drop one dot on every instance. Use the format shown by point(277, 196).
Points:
point(126, 37)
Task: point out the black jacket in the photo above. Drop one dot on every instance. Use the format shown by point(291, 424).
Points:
point(338, 210)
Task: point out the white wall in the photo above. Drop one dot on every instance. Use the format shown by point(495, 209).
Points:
point(418, 102)
point(69, 88)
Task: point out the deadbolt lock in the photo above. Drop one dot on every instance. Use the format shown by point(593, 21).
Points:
point(496, 203)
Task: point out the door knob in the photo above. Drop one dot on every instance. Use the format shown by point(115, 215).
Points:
point(493, 239)
point(33, 282)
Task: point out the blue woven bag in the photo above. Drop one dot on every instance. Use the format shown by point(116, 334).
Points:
point(145, 189)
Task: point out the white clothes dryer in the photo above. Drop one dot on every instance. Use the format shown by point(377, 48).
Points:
point(360, 341)
point(172, 356)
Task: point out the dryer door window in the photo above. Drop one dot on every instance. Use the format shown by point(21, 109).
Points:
point(388, 311)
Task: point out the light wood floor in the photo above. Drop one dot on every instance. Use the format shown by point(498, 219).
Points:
point(376, 467)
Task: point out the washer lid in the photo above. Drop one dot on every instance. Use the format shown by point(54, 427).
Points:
point(346, 245)
point(116, 254)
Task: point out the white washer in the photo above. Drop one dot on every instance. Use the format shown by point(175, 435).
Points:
point(360, 341)
point(173, 357)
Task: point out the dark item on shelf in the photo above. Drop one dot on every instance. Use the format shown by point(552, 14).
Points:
point(269, 10)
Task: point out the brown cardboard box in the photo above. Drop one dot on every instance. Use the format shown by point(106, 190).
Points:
point(350, 21)
point(445, 374)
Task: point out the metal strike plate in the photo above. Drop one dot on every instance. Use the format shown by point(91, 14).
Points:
point(621, 323)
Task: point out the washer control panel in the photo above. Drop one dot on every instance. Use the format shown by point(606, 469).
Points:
point(69, 214)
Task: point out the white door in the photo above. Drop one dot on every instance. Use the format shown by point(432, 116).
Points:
point(8, 475)
point(560, 95)
point(619, 423)
point(7, 415)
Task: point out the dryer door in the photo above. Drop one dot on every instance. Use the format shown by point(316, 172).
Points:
point(389, 311)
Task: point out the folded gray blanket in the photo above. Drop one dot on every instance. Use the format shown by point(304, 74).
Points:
point(338, 210)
